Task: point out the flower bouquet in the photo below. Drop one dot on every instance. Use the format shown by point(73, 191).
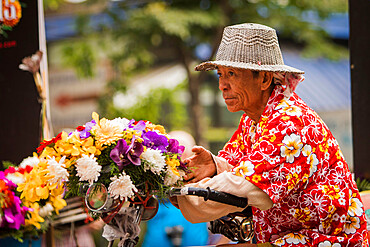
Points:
point(109, 162)
point(21, 216)
point(129, 158)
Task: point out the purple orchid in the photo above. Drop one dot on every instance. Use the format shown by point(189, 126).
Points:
point(175, 147)
point(86, 132)
point(123, 154)
point(140, 126)
point(155, 141)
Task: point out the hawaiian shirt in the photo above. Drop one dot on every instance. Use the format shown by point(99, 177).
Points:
point(293, 157)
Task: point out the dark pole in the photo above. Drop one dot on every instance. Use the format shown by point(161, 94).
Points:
point(19, 107)
point(359, 41)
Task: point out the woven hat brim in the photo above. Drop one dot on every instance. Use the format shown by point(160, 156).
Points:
point(211, 65)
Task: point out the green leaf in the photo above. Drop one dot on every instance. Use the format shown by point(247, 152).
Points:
point(363, 184)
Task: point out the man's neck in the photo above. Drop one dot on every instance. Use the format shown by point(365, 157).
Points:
point(256, 113)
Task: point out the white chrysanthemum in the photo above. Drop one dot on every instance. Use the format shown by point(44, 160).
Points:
point(156, 161)
point(171, 178)
point(87, 168)
point(46, 210)
point(57, 170)
point(121, 122)
point(14, 178)
point(29, 161)
point(121, 187)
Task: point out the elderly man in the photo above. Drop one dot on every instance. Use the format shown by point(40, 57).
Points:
point(282, 157)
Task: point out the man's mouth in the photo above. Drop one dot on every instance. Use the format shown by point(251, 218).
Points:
point(228, 97)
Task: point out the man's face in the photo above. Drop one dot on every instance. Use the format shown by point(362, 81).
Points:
point(240, 90)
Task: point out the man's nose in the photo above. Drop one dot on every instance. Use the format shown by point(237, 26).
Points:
point(223, 84)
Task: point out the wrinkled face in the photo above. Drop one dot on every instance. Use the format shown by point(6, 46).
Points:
point(240, 90)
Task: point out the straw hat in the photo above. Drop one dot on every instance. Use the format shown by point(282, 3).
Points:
point(249, 46)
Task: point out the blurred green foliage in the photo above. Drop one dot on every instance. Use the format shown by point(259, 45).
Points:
point(362, 184)
point(160, 106)
point(142, 33)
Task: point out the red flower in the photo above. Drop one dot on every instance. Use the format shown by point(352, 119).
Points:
point(27, 169)
point(46, 143)
point(10, 169)
point(80, 128)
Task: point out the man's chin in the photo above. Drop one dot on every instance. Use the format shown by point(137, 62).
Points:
point(232, 109)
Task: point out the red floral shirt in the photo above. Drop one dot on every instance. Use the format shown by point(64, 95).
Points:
point(293, 157)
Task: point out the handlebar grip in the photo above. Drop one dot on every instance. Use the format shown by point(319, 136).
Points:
point(213, 195)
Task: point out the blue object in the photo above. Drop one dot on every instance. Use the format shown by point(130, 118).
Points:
point(169, 216)
point(11, 242)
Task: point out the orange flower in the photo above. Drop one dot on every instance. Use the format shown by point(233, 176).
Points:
point(15, 12)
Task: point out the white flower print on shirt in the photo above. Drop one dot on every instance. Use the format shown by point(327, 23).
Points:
point(355, 206)
point(320, 202)
point(326, 243)
point(245, 169)
point(295, 238)
point(313, 162)
point(291, 148)
point(307, 149)
point(351, 225)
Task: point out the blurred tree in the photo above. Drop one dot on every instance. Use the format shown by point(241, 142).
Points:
point(140, 33)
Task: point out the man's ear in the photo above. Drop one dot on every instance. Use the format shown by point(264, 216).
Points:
point(267, 80)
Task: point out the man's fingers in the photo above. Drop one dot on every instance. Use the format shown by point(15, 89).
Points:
point(195, 180)
point(197, 149)
point(191, 181)
point(189, 176)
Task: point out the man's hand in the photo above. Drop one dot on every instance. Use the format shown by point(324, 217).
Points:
point(201, 165)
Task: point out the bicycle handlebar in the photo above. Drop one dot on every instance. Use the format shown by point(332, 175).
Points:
point(210, 194)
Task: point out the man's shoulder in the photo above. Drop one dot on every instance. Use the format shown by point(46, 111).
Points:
point(293, 108)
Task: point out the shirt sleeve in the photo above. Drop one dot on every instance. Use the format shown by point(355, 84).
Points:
point(221, 164)
point(275, 163)
point(196, 209)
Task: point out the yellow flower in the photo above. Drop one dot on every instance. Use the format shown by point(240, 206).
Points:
point(129, 134)
point(173, 163)
point(58, 203)
point(48, 151)
point(35, 186)
point(88, 147)
point(33, 217)
point(106, 133)
point(154, 127)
